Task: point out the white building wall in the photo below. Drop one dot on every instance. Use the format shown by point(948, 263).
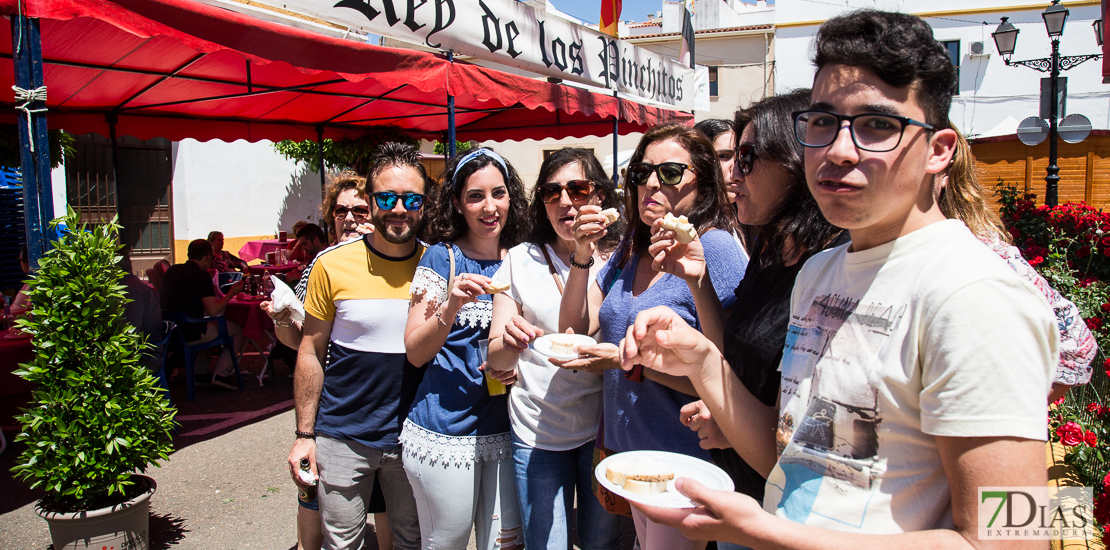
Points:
point(993, 97)
point(242, 189)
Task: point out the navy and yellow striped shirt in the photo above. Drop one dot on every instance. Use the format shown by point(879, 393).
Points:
point(368, 383)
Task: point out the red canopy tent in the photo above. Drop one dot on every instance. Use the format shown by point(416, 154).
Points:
point(179, 68)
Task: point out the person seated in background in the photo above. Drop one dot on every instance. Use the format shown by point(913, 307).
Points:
point(142, 310)
point(188, 288)
point(310, 241)
point(297, 254)
point(22, 302)
point(222, 260)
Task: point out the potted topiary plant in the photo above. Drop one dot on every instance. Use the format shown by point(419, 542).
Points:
point(97, 415)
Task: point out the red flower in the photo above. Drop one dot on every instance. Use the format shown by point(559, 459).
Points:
point(1090, 438)
point(1094, 323)
point(1037, 260)
point(1093, 407)
point(1106, 481)
point(1070, 434)
point(1106, 307)
point(1102, 513)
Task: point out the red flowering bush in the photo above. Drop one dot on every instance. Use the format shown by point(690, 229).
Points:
point(1069, 245)
point(1084, 230)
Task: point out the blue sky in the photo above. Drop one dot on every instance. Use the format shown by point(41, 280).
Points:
point(635, 10)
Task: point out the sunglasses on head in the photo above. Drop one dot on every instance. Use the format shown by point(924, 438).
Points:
point(386, 200)
point(669, 173)
point(358, 211)
point(745, 158)
point(578, 191)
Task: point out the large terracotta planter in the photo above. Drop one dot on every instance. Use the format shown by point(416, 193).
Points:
point(120, 527)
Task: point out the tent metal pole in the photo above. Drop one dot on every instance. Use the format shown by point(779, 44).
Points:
point(113, 118)
point(616, 161)
point(450, 116)
point(34, 143)
point(320, 159)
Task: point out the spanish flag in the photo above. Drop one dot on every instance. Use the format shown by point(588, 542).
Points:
point(610, 14)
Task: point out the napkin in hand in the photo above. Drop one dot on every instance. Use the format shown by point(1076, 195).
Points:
point(283, 297)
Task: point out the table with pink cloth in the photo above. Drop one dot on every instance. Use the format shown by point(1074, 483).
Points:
point(244, 311)
point(256, 250)
point(14, 391)
point(271, 269)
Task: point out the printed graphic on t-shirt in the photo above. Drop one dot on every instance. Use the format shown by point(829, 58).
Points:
point(835, 443)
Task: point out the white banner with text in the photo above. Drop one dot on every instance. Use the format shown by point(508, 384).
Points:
point(514, 34)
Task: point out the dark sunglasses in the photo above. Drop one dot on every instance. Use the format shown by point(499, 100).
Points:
point(578, 191)
point(669, 173)
point(745, 158)
point(386, 200)
point(358, 211)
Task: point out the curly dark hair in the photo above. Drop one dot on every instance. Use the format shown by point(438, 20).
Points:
point(342, 182)
point(393, 153)
point(711, 207)
point(799, 220)
point(542, 231)
point(899, 48)
point(445, 223)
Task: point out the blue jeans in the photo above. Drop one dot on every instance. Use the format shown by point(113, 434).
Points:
point(545, 483)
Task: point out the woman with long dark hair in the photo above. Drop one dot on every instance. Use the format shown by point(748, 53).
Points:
point(772, 199)
point(456, 440)
point(674, 170)
point(554, 412)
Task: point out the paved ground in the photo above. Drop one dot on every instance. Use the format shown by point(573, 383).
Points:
point(225, 487)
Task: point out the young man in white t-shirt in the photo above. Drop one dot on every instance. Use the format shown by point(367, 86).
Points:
point(916, 365)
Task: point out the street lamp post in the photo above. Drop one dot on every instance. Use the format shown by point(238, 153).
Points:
point(1005, 40)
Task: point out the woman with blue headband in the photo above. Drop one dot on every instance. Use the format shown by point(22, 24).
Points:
point(456, 440)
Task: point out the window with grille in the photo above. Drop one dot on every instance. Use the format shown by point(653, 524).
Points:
point(141, 198)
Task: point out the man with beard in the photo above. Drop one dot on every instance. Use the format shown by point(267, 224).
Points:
point(349, 416)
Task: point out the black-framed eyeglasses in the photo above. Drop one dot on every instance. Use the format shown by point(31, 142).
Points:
point(745, 158)
point(669, 173)
point(386, 200)
point(875, 132)
point(359, 212)
point(578, 191)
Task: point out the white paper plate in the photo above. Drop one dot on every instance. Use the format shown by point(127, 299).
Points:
point(683, 466)
point(542, 346)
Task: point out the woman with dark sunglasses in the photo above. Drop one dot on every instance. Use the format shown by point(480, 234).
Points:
point(456, 440)
point(674, 170)
point(554, 412)
point(772, 199)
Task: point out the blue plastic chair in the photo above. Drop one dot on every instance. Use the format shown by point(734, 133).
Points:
point(223, 338)
point(168, 330)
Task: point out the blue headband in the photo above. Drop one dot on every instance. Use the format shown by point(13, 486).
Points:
point(475, 154)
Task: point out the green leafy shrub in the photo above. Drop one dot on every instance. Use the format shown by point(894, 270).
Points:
point(97, 414)
point(343, 154)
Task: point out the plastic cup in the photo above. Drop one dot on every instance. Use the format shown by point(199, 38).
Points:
point(494, 385)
